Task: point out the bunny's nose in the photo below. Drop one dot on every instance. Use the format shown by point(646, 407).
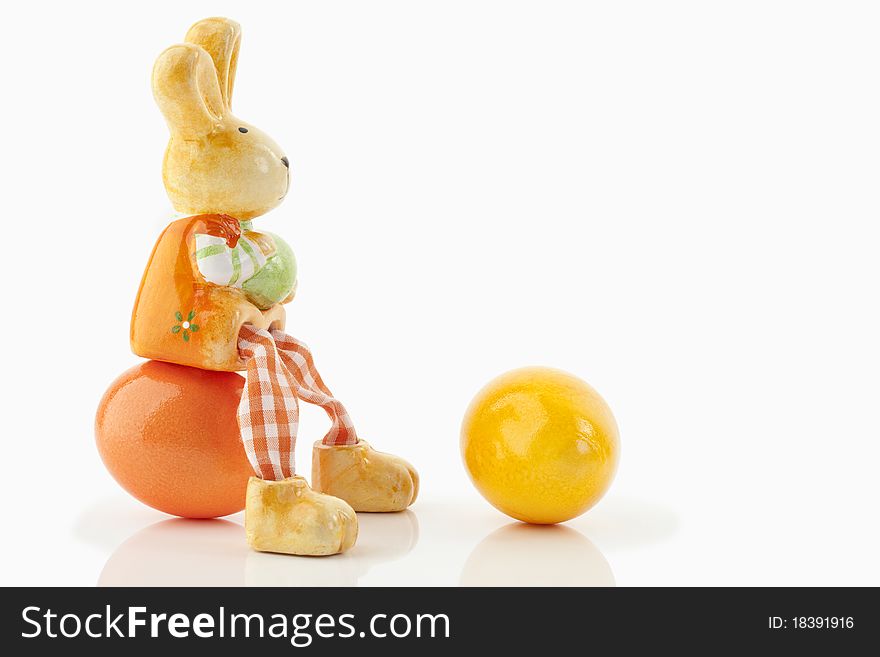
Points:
point(286, 161)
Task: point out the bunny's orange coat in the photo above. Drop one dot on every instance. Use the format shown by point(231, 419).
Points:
point(172, 288)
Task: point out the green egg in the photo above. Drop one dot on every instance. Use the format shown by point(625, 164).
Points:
point(275, 280)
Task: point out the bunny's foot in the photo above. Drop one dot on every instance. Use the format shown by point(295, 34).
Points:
point(289, 517)
point(368, 480)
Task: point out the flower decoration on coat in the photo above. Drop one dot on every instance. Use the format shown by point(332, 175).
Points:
point(185, 326)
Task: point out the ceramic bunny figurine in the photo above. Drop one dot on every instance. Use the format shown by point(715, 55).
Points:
point(211, 298)
point(211, 270)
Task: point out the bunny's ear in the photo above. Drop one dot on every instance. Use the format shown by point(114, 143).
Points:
point(186, 90)
point(221, 37)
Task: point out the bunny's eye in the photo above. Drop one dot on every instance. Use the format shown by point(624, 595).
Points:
point(242, 130)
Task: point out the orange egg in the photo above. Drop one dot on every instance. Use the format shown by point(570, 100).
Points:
point(168, 434)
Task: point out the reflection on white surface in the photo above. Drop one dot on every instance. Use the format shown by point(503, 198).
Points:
point(536, 555)
point(440, 542)
point(179, 552)
point(106, 522)
point(382, 537)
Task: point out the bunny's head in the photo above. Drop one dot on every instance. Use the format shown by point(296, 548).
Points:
point(215, 162)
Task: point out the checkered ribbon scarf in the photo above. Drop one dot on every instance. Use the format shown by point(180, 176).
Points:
point(281, 369)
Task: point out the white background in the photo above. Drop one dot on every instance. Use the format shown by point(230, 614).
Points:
point(676, 201)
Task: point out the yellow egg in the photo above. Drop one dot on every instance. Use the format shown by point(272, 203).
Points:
point(540, 445)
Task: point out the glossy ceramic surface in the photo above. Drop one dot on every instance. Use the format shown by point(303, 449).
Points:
point(224, 172)
point(540, 445)
point(288, 517)
point(215, 162)
point(368, 480)
point(181, 318)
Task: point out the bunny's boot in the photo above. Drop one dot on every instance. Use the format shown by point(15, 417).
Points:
point(368, 480)
point(289, 517)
